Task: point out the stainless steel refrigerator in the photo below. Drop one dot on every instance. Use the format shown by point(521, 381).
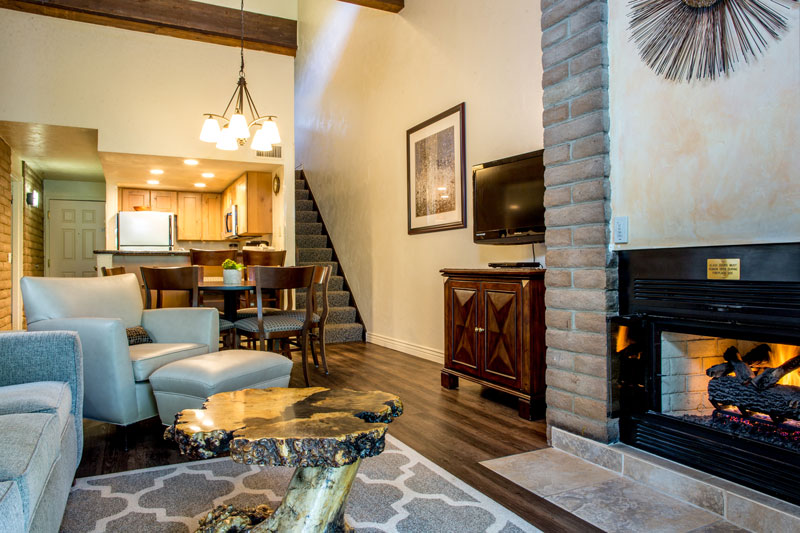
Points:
point(145, 231)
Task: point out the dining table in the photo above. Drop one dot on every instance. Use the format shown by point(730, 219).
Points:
point(230, 293)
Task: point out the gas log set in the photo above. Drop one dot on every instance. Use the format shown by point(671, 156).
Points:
point(735, 383)
point(764, 405)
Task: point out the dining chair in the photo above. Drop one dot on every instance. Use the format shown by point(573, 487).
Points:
point(112, 271)
point(184, 278)
point(211, 258)
point(319, 313)
point(269, 328)
point(274, 258)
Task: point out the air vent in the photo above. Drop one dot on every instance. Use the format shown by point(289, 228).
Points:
point(739, 296)
point(275, 152)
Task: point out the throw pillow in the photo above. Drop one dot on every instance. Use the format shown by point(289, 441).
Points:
point(137, 335)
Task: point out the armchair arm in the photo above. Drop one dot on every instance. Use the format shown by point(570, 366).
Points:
point(45, 356)
point(110, 395)
point(183, 324)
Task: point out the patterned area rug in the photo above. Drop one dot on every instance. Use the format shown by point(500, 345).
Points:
point(397, 491)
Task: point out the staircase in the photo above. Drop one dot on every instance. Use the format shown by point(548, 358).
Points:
point(315, 248)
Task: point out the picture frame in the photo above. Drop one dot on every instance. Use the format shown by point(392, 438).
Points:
point(436, 173)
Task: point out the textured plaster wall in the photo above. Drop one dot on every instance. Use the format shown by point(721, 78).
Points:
point(706, 163)
point(364, 77)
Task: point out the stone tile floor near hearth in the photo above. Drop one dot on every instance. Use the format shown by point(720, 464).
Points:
point(602, 497)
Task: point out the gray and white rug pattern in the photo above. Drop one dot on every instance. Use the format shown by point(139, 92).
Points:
point(398, 491)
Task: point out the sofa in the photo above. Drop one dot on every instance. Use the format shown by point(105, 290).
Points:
point(101, 309)
point(41, 403)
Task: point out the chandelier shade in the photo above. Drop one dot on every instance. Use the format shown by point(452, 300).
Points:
point(236, 130)
point(211, 131)
point(227, 141)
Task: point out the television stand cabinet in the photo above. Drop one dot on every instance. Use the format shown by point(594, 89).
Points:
point(494, 332)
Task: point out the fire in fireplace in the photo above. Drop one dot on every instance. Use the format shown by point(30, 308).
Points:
point(708, 371)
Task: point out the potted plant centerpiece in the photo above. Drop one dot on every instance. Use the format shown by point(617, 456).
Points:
point(232, 272)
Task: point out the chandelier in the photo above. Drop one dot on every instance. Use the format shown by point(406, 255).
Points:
point(236, 130)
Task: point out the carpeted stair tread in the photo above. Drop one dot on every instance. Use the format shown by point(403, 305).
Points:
point(335, 299)
point(333, 264)
point(300, 194)
point(304, 205)
point(299, 185)
point(335, 284)
point(335, 333)
point(341, 315)
point(306, 216)
point(308, 228)
point(311, 241)
point(315, 254)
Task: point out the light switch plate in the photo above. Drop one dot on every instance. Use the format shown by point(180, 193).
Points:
point(620, 230)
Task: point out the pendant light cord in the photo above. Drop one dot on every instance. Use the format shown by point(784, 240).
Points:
point(241, 50)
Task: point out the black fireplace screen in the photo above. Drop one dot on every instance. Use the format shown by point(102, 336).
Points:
point(699, 386)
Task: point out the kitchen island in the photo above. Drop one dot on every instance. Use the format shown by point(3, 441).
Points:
point(132, 260)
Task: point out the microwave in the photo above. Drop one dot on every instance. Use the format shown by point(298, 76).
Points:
point(230, 222)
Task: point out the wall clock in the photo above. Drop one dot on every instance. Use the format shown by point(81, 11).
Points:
point(703, 39)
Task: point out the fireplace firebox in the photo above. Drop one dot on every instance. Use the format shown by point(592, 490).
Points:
point(707, 366)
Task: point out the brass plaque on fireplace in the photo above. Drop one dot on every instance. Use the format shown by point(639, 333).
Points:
point(723, 268)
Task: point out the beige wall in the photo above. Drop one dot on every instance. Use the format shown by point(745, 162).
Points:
point(144, 93)
point(706, 163)
point(363, 78)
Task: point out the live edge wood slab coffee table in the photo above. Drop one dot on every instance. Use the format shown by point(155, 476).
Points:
point(324, 433)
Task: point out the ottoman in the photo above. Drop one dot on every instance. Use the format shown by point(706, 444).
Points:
point(187, 383)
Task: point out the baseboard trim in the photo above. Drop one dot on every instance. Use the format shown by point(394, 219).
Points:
point(423, 352)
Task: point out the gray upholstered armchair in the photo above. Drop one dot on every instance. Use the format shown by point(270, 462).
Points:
point(116, 376)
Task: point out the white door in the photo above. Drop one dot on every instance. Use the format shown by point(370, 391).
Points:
point(76, 228)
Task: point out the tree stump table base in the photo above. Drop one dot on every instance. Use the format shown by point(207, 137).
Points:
point(324, 433)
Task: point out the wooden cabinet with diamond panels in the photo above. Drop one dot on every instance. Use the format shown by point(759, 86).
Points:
point(494, 332)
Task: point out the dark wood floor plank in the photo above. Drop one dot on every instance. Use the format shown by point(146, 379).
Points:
point(456, 429)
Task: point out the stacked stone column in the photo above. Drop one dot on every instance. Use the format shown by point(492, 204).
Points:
point(581, 271)
point(5, 236)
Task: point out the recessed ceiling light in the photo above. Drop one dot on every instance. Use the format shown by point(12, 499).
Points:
point(207, 174)
point(191, 162)
point(199, 184)
point(153, 182)
point(156, 171)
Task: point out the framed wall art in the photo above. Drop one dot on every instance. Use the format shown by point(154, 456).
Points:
point(436, 165)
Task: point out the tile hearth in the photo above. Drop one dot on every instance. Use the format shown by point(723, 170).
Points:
point(620, 488)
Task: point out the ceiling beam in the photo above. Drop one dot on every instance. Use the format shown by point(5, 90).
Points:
point(176, 18)
point(386, 5)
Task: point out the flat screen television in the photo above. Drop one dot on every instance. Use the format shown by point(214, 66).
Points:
point(508, 200)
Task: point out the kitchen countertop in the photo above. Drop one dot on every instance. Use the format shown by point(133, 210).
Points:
point(141, 252)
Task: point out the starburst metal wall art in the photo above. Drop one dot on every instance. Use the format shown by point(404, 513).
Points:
point(696, 39)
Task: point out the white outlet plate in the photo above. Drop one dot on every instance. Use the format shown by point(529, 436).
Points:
point(620, 230)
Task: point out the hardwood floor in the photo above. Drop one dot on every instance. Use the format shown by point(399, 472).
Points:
point(455, 429)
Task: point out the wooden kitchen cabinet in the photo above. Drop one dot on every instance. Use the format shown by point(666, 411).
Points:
point(190, 216)
point(212, 217)
point(130, 198)
point(252, 194)
point(494, 332)
point(164, 201)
